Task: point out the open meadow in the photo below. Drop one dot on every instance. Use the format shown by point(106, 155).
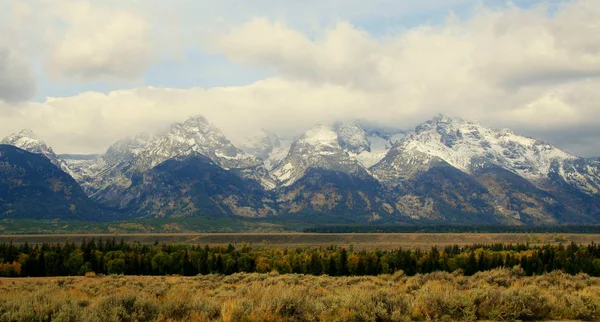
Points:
point(366, 241)
point(500, 294)
point(299, 277)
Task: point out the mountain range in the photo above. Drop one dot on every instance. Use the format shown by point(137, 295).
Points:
point(446, 170)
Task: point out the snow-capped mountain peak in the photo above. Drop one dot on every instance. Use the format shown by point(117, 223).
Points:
point(126, 149)
point(26, 132)
point(196, 120)
point(318, 147)
point(27, 140)
point(352, 137)
point(138, 154)
point(468, 146)
point(444, 169)
point(197, 135)
point(368, 146)
point(267, 146)
point(323, 139)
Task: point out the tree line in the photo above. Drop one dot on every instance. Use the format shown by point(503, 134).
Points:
point(112, 257)
point(490, 229)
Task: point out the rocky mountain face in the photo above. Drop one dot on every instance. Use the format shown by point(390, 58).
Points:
point(194, 185)
point(327, 196)
point(134, 156)
point(103, 175)
point(367, 146)
point(468, 146)
point(520, 176)
point(325, 173)
point(31, 186)
point(446, 170)
point(319, 147)
point(28, 141)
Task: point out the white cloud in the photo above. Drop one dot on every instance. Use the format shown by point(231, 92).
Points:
point(101, 43)
point(510, 48)
point(89, 122)
point(16, 79)
point(344, 55)
point(524, 69)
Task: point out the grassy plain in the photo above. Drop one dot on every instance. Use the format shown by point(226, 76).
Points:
point(502, 294)
point(145, 226)
point(292, 240)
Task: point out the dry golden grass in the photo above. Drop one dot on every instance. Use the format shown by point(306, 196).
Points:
point(494, 295)
point(292, 240)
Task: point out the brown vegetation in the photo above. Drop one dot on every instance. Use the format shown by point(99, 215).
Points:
point(293, 240)
point(502, 294)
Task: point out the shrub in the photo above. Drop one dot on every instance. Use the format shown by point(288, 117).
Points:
point(126, 307)
point(522, 303)
point(576, 307)
point(205, 310)
point(500, 294)
point(176, 308)
point(437, 300)
point(40, 307)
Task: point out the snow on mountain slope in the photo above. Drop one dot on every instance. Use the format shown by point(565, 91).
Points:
point(380, 144)
point(267, 146)
point(126, 149)
point(319, 147)
point(447, 169)
point(580, 173)
point(352, 137)
point(95, 174)
point(260, 144)
point(194, 136)
point(28, 141)
point(278, 153)
point(468, 146)
point(368, 146)
point(82, 168)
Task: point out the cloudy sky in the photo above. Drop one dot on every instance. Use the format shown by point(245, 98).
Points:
point(83, 74)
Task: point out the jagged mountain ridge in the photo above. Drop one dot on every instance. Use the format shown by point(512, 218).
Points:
point(475, 150)
point(194, 185)
point(447, 170)
point(28, 141)
point(196, 135)
point(320, 148)
point(31, 186)
point(343, 146)
point(469, 146)
point(367, 145)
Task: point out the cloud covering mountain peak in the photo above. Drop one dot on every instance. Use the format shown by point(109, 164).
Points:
point(532, 68)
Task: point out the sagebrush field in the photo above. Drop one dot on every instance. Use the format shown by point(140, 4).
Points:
point(547, 280)
point(501, 294)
